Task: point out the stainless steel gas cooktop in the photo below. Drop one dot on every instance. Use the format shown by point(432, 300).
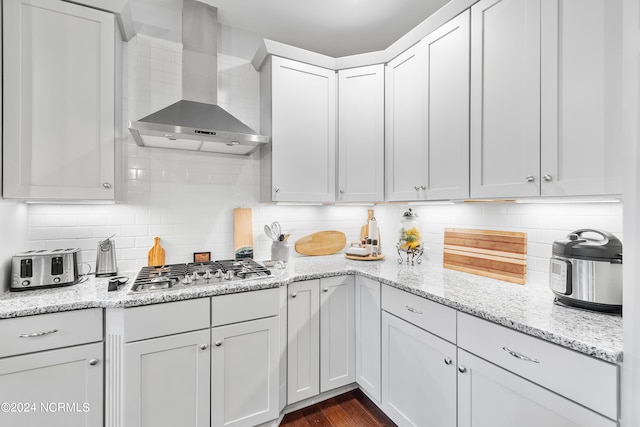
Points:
point(177, 276)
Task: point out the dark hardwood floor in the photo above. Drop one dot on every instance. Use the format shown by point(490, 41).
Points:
point(351, 409)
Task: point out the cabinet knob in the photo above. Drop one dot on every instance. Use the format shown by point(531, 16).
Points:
point(293, 295)
point(93, 362)
point(423, 187)
point(106, 185)
point(276, 189)
point(530, 178)
point(447, 361)
point(416, 187)
point(325, 290)
point(218, 343)
point(341, 191)
point(462, 369)
point(203, 347)
point(547, 178)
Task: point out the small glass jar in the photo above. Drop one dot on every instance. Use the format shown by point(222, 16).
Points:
point(280, 251)
point(410, 239)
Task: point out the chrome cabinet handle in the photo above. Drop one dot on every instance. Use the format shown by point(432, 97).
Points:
point(106, 185)
point(38, 334)
point(520, 356)
point(547, 178)
point(93, 362)
point(341, 191)
point(462, 369)
point(416, 187)
point(530, 178)
point(218, 343)
point(447, 361)
point(293, 295)
point(325, 290)
point(277, 189)
point(204, 347)
point(413, 310)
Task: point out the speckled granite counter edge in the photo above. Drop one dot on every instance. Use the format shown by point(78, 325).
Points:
point(124, 300)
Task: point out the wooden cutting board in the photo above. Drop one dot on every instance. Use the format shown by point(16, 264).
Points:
point(156, 253)
point(492, 253)
point(322, 243)
point(243, 233)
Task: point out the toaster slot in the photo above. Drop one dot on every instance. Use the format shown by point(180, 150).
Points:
point(26, 267)
point(56, 266)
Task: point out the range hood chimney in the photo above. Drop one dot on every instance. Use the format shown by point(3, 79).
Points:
point(196, 122)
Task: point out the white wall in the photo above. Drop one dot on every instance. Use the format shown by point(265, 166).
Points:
point(188, 198)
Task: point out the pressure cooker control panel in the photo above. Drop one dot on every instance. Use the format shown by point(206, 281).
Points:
point(560, 275)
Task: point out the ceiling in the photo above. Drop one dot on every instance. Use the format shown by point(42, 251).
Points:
point(331, 27)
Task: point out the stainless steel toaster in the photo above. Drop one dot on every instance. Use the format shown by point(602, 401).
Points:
point(39, 269)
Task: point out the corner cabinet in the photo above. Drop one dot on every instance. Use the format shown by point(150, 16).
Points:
point(59, 113)
point(427, 117)
point(298, 110)
point(361, 134)
point(321, 331)
point(546, 98)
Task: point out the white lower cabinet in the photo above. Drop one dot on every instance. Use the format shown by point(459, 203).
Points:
point(321, 330)
point(489, 396)
point(244, 373)
point(167, 381)
point(418, 375)
point(368, 337)
point(57, 388)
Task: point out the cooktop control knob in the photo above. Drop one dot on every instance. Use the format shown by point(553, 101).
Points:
point(206, 275)
point(218, 274)
point(228, 275)
point(187, 280)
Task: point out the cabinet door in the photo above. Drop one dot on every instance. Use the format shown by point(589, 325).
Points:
point(581, 97)
point(59, 95)
point(489, 396)
point(368, 333)
point(448, 110)
point(303, 351)
point(406, 124)
point(337, 332)
point(361, 134)
point(35, 385)
point(167, 380)
point(418, 375)
point(505, 98)
point(244, 373)
point(303, 132)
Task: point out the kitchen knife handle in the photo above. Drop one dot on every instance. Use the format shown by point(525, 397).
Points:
point(38, 334)
point(520, 356)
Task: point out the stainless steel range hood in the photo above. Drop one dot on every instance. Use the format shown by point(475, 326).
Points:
point(196, 123)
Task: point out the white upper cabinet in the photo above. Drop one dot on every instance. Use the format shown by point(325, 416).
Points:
point(546, 98)
point(299, 111)
point(581, 97)
point(505, 98)
point(448, 110)
point(406, 125)
point(361, 134)
point(427, 117)
point(59, 101)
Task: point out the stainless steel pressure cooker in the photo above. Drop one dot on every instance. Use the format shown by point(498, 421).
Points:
point(586, 270)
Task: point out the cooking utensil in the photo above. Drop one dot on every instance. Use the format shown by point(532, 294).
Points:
point(277, 230)
point(321, 243)
point(586, 271)
point(156, 253)
point(269, 232)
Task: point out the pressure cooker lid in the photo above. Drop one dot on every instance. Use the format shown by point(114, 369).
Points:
point(588, 244)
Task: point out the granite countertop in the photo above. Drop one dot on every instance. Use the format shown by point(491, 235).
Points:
point(528, 309)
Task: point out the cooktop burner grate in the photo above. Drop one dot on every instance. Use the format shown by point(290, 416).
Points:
point(153, 278)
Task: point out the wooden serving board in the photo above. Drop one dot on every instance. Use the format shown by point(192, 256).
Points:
point(243, 233)
point(155, 256)
point(321, 243)
point(492, 253)
point(364, 258)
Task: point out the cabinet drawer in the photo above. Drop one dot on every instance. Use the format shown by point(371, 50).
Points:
point(170, 318)
point(48, 331)
point(428, 315)
point(583, 379)
point(243, 306)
